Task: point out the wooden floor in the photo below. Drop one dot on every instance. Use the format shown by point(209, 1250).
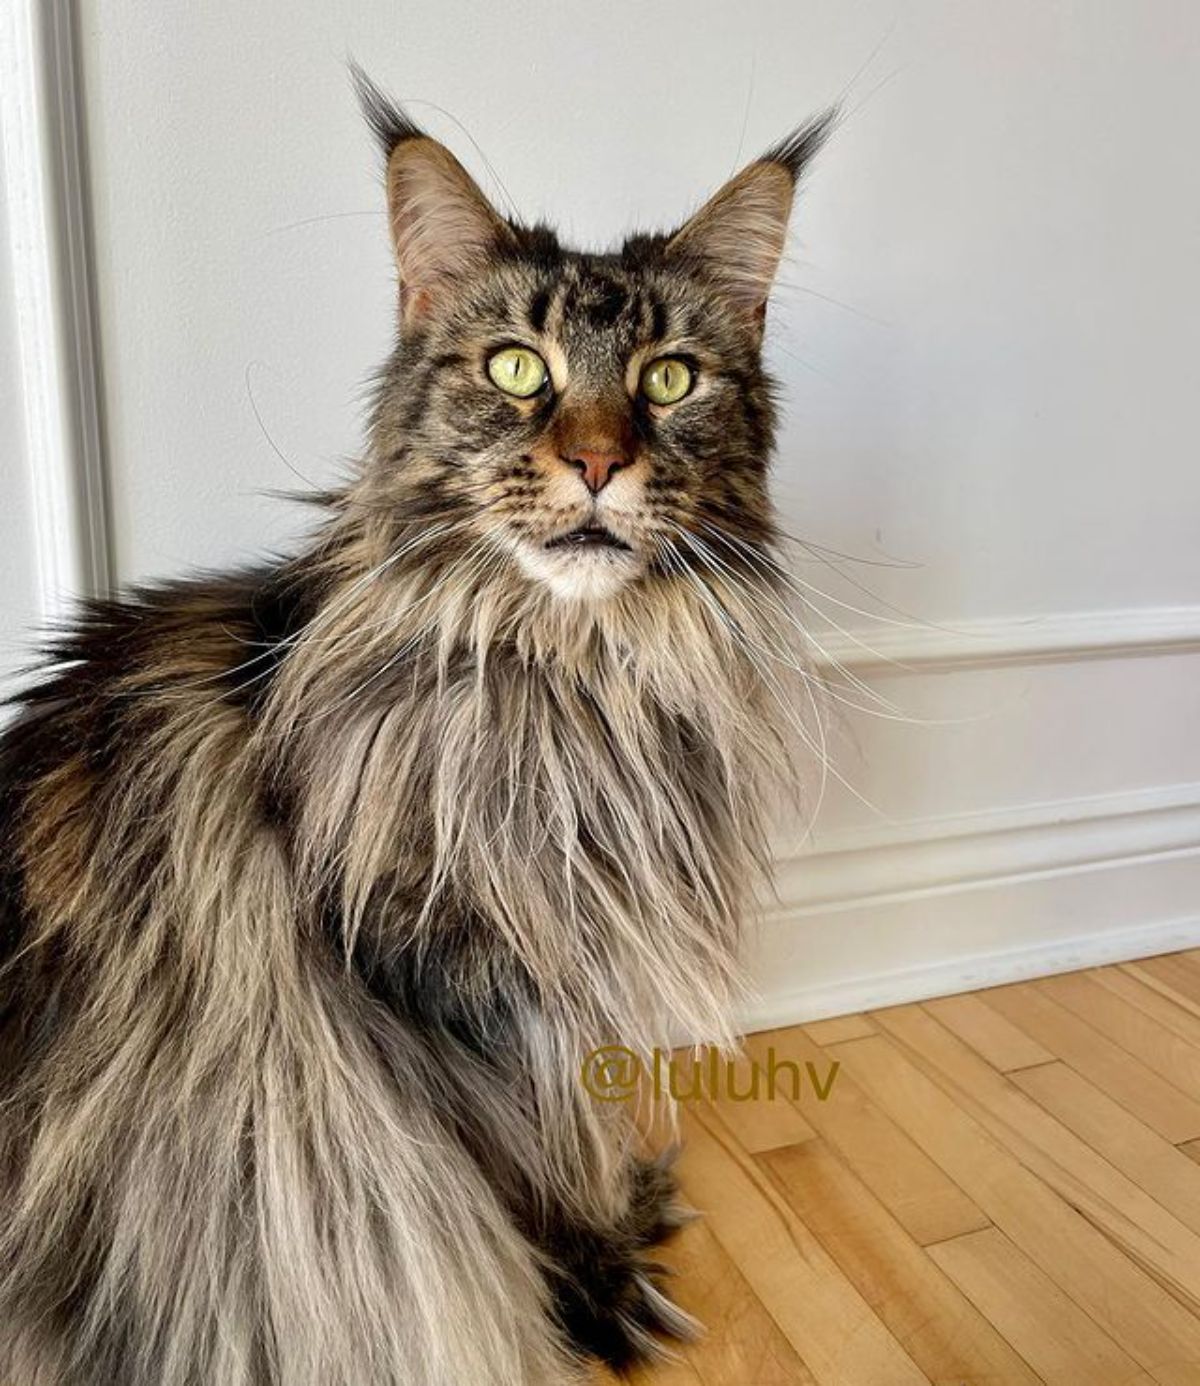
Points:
point(1001, 1187)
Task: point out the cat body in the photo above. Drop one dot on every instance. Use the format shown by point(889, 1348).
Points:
point(318, 882)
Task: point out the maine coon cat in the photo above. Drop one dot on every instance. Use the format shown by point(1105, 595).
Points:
point(318, 881)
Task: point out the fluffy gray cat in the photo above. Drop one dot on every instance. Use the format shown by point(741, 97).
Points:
point(317, 882)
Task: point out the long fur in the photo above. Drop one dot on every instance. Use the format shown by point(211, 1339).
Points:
point(318, 882)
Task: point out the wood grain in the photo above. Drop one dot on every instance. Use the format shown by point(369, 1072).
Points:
point(1055, 1335)
point(922, 1197)
point(934, 1322)
point(998, 1189)
point(1091, 1052)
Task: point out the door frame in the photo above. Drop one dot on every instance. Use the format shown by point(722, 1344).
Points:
point(54, 319)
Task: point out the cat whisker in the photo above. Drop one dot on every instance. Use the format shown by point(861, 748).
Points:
point(915, 622)
point(795, 583)
point(819, 746)
point(792, 287)
point(805, 632)
point(894, 713)
point(317, 220)
point(800, 361)
point(826, 686)
point(318, 492)
point(816, 549)
point(487, 163)
point(820, 749)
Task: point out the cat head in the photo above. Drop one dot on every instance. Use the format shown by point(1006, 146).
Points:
point(579, 413)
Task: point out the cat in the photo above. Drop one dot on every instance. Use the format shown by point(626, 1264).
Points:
point(319, 881)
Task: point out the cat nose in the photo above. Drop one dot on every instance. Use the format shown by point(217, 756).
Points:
point(596, 465)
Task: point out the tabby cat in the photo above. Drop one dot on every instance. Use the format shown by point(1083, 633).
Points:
point(318, 881)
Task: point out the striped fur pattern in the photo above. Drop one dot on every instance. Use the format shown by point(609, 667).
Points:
point(318, 881)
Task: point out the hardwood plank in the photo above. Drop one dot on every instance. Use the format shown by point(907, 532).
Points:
point(669, 1373)
point(823, 1317)
point(844, 1027)
point(1064, 1109)
point(1154, 1002)
point(1110, 1199)
point(1157, 1046)
point(1171, 1113)
point(1163, 1170)
point(923, 1199)
point(1064, 1346)
point(741, 1341)
point(664, 1374)
point(1171, 976)
point(1144, 1319)
point(990, 1034)
point(766, 1121)
point(936, 1325)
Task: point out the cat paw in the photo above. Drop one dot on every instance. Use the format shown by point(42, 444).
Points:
point(616, 1310)
point(610, 1296)
point(656, 1211)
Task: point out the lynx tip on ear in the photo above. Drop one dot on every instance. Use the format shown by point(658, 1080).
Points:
point(389, 123)
point(797, 150)
point(738, 235)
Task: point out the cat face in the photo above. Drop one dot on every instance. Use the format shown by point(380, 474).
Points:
point(580, 413)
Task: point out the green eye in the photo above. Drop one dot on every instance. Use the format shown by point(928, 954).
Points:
point(517, 371)
point(666, 380)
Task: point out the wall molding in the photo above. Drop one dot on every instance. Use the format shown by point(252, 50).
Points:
point(853, 867)
point(878, 917)
point(48, 224)
point(1100, 634)
point(782, 1005)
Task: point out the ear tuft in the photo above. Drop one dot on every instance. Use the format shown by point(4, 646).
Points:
point(388, 123)
point(443, 227)
point(797, 150)
point(737, 237)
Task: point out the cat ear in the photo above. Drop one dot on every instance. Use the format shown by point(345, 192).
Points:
point(738, 236)
point(442, 225)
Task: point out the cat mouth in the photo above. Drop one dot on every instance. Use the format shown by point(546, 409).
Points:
point(590, 536)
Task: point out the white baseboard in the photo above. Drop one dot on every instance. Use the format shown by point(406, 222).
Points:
point(879, 918)
point(781, 1006)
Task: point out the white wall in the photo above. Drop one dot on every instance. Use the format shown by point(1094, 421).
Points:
point(987, 336)
point(20, 598)
point(53, 546)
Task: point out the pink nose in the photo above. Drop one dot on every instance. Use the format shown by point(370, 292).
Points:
point(596, 466)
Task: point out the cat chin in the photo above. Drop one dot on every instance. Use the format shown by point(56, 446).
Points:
point(581, 577)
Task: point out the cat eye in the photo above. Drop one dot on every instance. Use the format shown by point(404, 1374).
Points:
point(666, 380)
point(517, 371)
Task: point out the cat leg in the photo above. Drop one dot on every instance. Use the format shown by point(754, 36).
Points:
point(609, 1292)
point(562, 1165)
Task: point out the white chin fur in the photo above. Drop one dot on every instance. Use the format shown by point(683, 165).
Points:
point(580, 575)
